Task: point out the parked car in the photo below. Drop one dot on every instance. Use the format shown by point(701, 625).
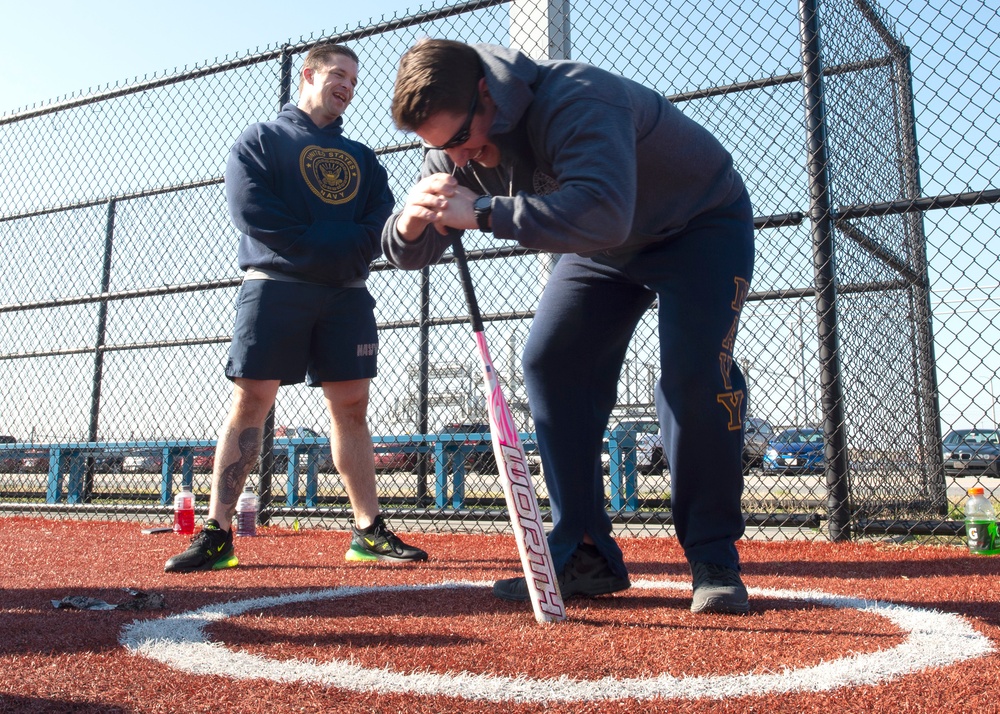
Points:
point(648, 445)
point(952, 439)
point(757, 434)
point(282, 434)
point(35, 461)
point(143, 463)
point(955, 437)
point(10, 461)
point(796, 450)
point(397, 457)
point(293, 432)
point(324, 462)
point(203, 459)
point(108, 462)
point(972, 452)
point(479, 461)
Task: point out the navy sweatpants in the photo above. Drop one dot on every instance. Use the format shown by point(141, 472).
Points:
point(573, 359)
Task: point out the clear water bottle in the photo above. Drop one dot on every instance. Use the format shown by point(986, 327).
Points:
point(981, 524)
point(246, 514)
point(184, 512)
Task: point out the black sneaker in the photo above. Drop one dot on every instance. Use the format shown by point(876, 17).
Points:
point(211, 549)
point(718, 589)
point(586, 575)
point(377, 542)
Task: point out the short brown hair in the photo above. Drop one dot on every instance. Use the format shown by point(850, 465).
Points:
point(434, 76)
point(319, 57)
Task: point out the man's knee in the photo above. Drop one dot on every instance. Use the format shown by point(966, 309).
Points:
point(347, 401)
point(539, 359)
point(252, 399)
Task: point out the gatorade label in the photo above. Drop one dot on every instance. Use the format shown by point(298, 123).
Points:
point(982, 537)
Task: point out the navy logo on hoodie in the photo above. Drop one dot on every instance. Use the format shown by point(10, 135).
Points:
point(331, 174)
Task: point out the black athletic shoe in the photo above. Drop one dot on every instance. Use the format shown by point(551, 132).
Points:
point(377, 542)
point(211, 549)
point(718, 589)
point(586, 575)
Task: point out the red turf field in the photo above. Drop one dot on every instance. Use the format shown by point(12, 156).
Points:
point(833, 628)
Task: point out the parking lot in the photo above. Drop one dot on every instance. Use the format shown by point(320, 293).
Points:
point(764, 492)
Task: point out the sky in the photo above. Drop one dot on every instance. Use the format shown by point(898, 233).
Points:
point(95, 43)
point(54, 48)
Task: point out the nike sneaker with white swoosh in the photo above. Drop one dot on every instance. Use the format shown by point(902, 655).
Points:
point(211, 549)
point(377, 542)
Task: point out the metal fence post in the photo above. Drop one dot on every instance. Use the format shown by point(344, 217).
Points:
point(929, 410)
point(267, 446)
point(423, 386)
point(102, 324)
point(925, 364)
point(824, 266)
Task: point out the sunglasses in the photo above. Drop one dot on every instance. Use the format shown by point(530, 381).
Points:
point(464, 132)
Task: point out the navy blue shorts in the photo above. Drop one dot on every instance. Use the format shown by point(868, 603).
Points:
point(299, 332)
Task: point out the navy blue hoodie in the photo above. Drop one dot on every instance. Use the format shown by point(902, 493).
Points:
point(591, 163)
point(309, 202)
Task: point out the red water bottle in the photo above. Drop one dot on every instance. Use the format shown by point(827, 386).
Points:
point(184, 513)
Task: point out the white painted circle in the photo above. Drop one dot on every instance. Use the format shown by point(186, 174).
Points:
point(933, 639)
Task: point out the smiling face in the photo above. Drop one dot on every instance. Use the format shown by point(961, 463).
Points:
point(328, 89)
point(441, 130)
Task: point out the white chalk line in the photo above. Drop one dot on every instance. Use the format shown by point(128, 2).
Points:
point(933, 639)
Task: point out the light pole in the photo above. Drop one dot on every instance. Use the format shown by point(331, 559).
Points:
point(993, 400)
point(802, 362)
point(747, 364)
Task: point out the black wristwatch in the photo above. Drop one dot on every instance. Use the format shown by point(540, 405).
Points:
point(483, 207)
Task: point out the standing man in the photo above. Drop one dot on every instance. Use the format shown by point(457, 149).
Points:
point(309, 204)
point(644, 205)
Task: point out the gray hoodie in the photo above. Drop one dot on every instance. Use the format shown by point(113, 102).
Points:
point(592, 163)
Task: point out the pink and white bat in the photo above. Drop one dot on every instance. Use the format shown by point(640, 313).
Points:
point(519, 491)
point(512, 465)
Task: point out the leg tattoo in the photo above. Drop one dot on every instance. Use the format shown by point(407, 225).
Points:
point(231, 480)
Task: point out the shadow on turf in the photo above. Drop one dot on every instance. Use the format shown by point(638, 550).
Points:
point(33, 705)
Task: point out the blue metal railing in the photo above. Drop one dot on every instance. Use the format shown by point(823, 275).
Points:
point(66, 480)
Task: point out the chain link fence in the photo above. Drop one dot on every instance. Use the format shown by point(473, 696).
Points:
point(866, 134)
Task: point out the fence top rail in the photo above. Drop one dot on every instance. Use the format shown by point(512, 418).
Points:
point(280, 50)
